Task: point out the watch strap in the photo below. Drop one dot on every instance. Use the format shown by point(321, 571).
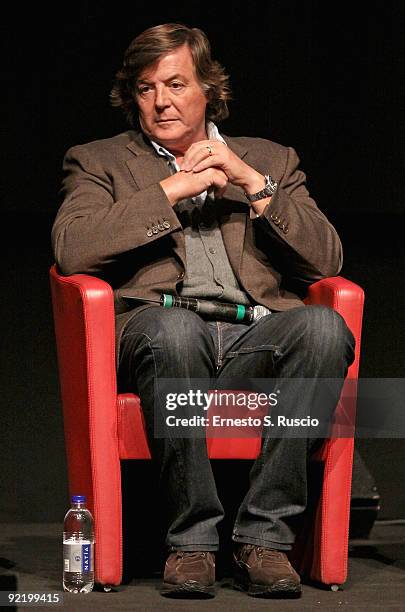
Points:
point(270, 187)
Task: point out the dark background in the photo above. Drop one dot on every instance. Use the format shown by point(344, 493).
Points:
point(325, 78)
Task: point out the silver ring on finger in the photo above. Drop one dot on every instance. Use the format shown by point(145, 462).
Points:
point(209, 150)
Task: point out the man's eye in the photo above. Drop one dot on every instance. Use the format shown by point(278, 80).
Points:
point(176, 85)
point(143, 90)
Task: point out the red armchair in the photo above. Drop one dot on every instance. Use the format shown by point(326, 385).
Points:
point(102, 427)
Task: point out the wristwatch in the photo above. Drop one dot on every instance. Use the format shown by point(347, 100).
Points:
point(270, 187)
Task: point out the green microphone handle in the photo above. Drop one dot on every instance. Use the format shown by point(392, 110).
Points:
point(218, 311)
point(207, 309)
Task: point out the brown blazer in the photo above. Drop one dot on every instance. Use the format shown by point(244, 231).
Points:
point(115, 222)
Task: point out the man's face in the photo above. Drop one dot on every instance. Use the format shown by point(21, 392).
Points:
point(171, 102)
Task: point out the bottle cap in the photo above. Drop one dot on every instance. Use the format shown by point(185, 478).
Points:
point(78, 499)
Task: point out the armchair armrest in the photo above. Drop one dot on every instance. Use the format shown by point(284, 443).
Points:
point(83, 309)
point(347, 299)
point(327, 560)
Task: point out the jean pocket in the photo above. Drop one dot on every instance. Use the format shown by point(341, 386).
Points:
point(245, 350)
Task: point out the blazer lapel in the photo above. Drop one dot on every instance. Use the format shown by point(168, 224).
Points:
point(148, 168)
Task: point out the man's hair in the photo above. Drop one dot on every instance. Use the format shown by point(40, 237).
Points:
point(149, 47)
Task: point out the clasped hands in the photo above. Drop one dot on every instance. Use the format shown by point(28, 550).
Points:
point(210, 164)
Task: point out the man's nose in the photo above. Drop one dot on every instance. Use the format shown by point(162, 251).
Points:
point(162, 98)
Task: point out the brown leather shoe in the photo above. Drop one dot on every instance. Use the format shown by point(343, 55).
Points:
point(189, 575)
point(265, 572)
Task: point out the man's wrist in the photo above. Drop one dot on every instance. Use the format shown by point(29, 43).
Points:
point(265, 192)
point(254, 182)
point(170, 188)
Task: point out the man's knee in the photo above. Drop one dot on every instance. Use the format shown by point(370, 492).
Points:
point(179, 329)
point(325, 330)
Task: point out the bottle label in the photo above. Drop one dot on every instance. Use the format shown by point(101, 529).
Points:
point(78, 556)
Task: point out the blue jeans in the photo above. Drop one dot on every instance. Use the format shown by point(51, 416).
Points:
point(306, 342)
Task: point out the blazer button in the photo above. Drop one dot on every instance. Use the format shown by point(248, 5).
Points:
point(166, 224)
point(149, 233)
point(180, 276)
point(155, 229)
point(276, 221)
point(160, 227)
point(285, 230)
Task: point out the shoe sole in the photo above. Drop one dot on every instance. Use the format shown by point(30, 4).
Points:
point(188, 590)
point(281, 590)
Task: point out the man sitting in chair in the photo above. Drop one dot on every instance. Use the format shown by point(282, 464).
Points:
point(174, 206)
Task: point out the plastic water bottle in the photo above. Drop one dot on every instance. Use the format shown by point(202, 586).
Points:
point(78, 548)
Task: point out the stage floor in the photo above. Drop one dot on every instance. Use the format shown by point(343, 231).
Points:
point(31, 560)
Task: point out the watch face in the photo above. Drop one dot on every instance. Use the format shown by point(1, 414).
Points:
point(271, 185)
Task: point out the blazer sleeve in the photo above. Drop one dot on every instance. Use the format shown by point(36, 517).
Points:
point(92, 227)
point(299, 239)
